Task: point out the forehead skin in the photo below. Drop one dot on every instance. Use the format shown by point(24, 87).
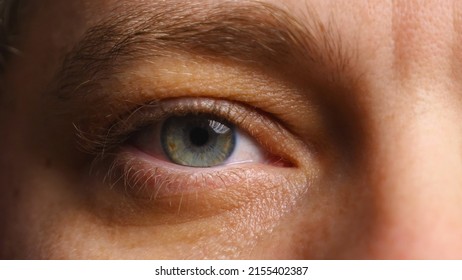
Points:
point(406, 112)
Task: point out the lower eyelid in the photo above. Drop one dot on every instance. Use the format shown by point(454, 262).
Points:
point(153, 179)
point(147, 193)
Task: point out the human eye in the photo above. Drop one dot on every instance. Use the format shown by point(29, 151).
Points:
point(184, 152)
point(199, 140)
point(194, 140)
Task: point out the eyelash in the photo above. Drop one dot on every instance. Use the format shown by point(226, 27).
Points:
point(123, 164)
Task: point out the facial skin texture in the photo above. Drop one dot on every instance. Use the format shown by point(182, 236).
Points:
point(361, 104)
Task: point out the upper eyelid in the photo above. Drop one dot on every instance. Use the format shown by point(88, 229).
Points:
point(269, 96)
point(124, 127)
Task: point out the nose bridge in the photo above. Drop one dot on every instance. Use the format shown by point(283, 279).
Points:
point(415, 162)
point(414, 154)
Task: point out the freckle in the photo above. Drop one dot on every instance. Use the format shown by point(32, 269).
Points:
point(172, 146)
point(48, 163)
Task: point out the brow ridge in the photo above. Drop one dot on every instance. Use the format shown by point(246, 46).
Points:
point(246, 32)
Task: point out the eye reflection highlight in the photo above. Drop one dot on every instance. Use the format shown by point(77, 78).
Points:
point(197, 141)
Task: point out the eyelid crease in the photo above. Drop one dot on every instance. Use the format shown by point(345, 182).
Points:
point(104, 142)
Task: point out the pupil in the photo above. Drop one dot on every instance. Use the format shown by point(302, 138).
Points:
point(199, 136)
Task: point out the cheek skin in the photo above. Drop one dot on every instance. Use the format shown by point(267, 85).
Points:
point(329, 222)
point(223, 236)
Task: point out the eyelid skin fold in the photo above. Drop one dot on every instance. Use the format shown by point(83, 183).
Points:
point(154, 178)
point(188, 76)
point(248, 119)
point(245, 98)
point(175, 194)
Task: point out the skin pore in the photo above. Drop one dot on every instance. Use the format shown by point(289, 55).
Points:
point(353, 107)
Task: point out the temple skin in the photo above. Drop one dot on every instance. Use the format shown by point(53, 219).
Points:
point(364, 100)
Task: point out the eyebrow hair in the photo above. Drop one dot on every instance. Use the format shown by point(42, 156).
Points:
point(248, 32)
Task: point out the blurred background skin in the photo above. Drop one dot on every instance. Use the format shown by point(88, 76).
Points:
point(376, 148)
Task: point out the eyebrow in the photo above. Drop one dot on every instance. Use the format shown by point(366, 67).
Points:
point(246, 32)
